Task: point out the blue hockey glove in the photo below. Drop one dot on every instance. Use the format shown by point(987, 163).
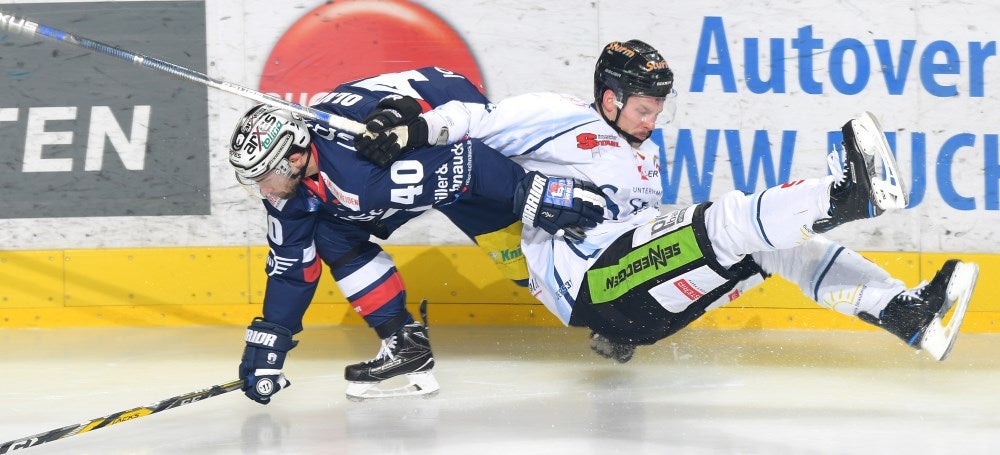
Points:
point(263, 358)
point(394, 127)
point(559, 206)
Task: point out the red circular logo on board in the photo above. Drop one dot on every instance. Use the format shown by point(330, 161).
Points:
point(347, 40)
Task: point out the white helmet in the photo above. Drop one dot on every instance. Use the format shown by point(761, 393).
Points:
point(263, 138)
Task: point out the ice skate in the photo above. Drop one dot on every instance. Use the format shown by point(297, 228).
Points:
point(405, 353)
point(917, 316)
point(604, 347)
point(868, 182)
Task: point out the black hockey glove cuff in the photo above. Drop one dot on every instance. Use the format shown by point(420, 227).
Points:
point(392, 111)
point(559, 206)
point(263, 358)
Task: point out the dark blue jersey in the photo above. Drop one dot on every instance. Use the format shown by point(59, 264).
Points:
point(350, 199)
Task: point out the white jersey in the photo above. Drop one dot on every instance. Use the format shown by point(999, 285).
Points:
point(562, 136)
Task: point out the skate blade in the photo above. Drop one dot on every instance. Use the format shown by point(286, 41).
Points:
point(420, 385)
point(888, 189)
point(940, 337)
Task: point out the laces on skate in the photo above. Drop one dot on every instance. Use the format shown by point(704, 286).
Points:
point(914, 294)
point(836, 168)
point(866, 182)
point(385, 351)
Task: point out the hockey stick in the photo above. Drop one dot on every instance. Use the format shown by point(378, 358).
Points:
point(30, 28)
point(119, 417)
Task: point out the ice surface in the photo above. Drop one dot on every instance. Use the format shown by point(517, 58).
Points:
point(512, 390)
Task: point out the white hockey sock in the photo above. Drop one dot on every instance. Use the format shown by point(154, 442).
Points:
point(833, 276)
point(773, 219)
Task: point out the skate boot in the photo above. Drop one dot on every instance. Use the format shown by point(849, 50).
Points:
point(917, 315)
point(868, 182)
point(604, 347)
point(406, 352)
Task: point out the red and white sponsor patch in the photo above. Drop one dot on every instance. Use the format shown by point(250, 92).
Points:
point(348, 199)
point(688, 290)
point(587, 141)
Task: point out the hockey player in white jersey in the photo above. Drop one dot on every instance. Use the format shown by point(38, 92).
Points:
point(642, 275)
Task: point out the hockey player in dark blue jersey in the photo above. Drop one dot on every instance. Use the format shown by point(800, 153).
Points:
point(324, 202)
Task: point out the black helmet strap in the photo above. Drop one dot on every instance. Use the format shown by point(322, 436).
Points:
point(599, 105)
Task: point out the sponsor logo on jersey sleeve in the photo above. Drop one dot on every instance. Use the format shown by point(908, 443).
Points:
point(688, 289)
point(453, 177)
point(589, 141)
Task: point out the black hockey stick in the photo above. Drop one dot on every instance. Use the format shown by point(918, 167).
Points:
point(119, 417)
point(31, 28)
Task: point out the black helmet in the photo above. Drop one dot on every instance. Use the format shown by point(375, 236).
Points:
point(632, 68)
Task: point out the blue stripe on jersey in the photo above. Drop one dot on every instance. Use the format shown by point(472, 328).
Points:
point(755, 215)
point(561, 292)
point(554, 136)
point(822, 271)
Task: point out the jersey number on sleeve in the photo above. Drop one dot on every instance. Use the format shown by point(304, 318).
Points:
point(274, 231)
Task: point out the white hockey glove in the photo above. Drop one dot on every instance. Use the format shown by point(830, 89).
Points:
point(559, 206)
point(263, 358)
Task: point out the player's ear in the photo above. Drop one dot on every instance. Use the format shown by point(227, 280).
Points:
point(298, 157)
point(608, 101)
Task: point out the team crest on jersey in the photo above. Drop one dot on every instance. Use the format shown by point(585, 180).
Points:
point(276, 202)
point(588, 141)
point(277, 265)
point(646, 172)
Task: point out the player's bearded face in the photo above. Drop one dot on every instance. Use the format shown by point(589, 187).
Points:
point(281, 182)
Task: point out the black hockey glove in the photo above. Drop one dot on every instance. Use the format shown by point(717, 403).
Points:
point(394, 127)
point(559, 206)
point(263, 358)
point(392, 111)
point(604, 347)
